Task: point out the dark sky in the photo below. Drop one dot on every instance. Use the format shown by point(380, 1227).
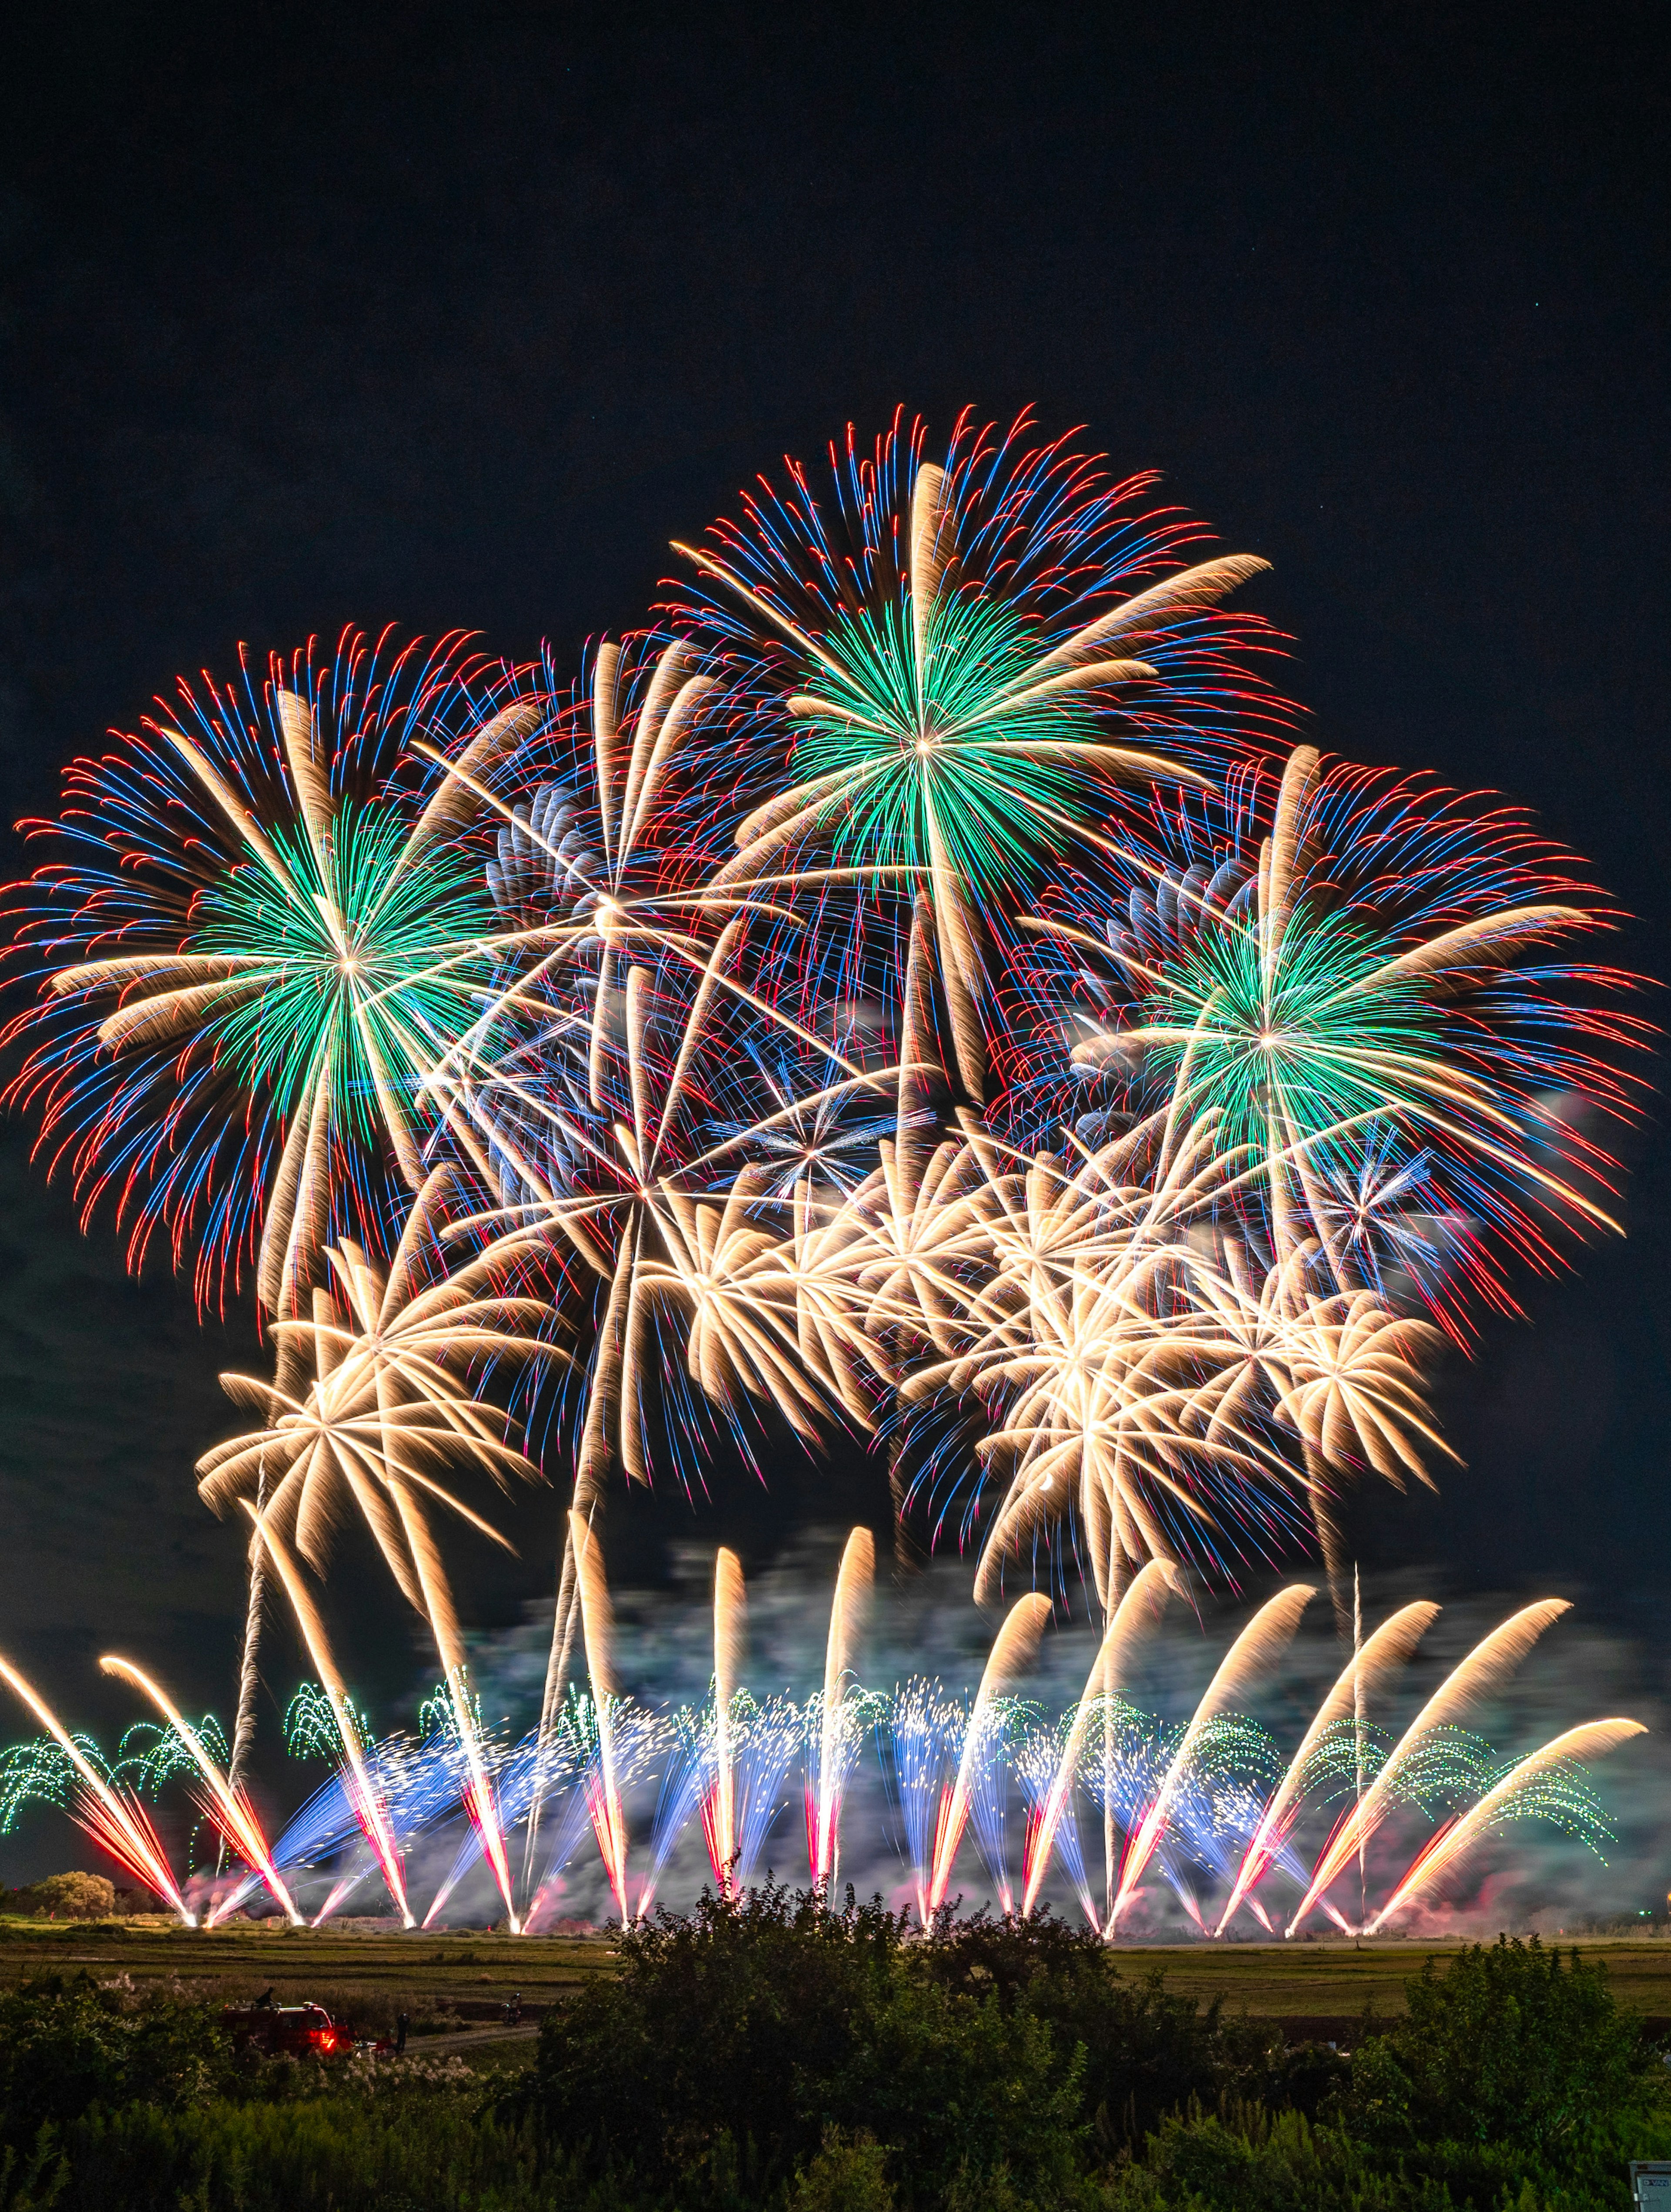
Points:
point(455, 317)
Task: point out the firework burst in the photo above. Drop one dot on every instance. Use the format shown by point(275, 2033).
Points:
point(264, 931)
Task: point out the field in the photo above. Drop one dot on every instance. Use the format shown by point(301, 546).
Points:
point(454, 1986)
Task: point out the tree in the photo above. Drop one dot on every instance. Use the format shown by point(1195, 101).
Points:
point(1509, 2045)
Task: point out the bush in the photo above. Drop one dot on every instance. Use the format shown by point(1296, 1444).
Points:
point(771, 2054)
point(1507, 2045)
point(65, 2046)
point(845, 2176)
point(1146, 2053)
point(417, 2152)
point(730, 2044)
point(1248, 2161)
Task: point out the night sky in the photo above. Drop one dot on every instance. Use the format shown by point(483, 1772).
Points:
point(457, 318)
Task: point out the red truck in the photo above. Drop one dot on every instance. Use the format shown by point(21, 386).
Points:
point(304, 2031)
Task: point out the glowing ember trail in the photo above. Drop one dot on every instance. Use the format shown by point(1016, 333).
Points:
point(1389, 1648)
point(1012, 1649)
point(366, 1798)
point(1269, 1632)
point(846, 1609)
point(110, 1817)
point(1138, 1612)
point(231, 1810)
point(730, 1635)
point(1491, 1660)
point(1592, 1740)
point(609, 1820)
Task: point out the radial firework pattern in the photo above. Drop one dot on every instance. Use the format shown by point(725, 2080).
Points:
point(265, 921)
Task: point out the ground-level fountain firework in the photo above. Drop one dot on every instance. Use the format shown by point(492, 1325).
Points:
point(921, 990)
point(986, 1796)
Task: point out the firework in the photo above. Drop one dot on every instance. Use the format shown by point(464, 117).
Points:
point(1372, 982)
point(597, 1626)
point(369, 1808)
point(1513, 1794)
point(1491, 1661)
point(1011, 1649)
point(926, 1733)
point(835, 1732)
point(961, 659)
point(1136, 1614)
point(1210, 1803)
point(1389, 1647)
point(729, 1639)
point(230, 1809)
point(114, 1818)
point(1268, 1633)
point(263, 932)
point(387, 1403)
point(903, 993)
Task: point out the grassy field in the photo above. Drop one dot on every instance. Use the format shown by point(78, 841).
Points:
point(367, 1975)
point(448, 1982)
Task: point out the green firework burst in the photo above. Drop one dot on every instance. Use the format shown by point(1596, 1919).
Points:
point(365, 961)
point(948, 758)
point(1314, 1036)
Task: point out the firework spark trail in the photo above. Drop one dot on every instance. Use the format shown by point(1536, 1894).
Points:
point(1491, 1660)
point(1038, 1760)
point(926, 1735)
point(339, 1893)
point(609, 1818)
point(1220, 1796)
point(685, 1789)
point(479, 1801)
point(1012, 1650)
point(1576, 1746)
point(1387, 1650)
point(326, 1824)
point(514, 1773)
point(1268, 1634)
point(730, 1642)
point(1136, 1614)
point(385, 1401)
point(836, 1746)
point(772, 1732)
point(366, 1800)
point(1294, 1021)
point(113, 1819)
point(38, 1772)
point(575, 1774)
point(995, 1754)
point(229, 1808)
